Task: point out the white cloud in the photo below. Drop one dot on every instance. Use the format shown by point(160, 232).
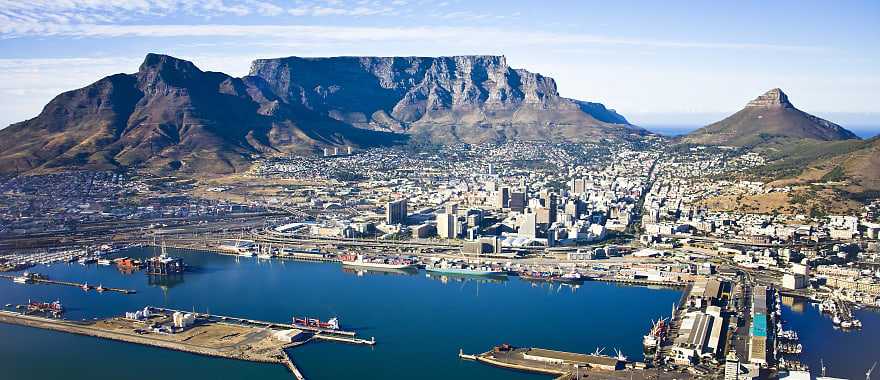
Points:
point(499, 38)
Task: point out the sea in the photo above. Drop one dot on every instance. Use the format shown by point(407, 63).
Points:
point(420, 322)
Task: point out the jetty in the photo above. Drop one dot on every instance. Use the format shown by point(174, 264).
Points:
point(202, 334)
point(565, 365)
point(37, 280)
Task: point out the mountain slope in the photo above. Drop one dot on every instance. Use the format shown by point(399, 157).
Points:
point(169, 115)
point(443, 99)
point(769, 118)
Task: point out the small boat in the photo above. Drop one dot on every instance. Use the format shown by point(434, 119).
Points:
point(85, 287)
point(21, 279)
point(105, 262)
point(100, 288)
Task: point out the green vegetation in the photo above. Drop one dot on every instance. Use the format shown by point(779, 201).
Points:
point(834, 175)
point(789, 158)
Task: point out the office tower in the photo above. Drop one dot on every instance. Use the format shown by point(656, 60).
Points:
point(529, 226)
point(395, 212)
point(551, 204)
point(517, 201)
point(502, 197)
point(446, 226)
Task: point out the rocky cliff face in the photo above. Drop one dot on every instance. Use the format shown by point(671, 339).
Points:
point(442, 99)
point(769, 118)
point(171, 115)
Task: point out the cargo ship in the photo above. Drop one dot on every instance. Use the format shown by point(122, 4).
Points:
point(379, 262)
point(466, 269)
point(314, 323)
point(657, 334)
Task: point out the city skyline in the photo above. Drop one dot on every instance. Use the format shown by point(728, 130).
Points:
point(675, 64)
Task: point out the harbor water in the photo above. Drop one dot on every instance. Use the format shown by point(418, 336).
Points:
point(419, 321)
point(846, 354)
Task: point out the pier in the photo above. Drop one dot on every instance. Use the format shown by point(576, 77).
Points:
point(565, 365)
point(204, 334)
point(69, 283)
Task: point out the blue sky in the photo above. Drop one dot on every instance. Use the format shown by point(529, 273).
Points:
point(657, 62)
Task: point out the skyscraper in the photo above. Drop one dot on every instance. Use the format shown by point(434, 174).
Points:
point(731, 367)
point(517, 201)
point(551, 203)
point(502, 197)
point(446, 225)
point(395, 212)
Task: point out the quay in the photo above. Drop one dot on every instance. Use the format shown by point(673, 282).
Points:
point(320, 333)
point(202, 334)
point(567, 365)
point(69, 283)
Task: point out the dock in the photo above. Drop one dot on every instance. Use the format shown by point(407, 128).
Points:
point(69, 283)
point(209, 335)
point(338, 334)
point(566, 365)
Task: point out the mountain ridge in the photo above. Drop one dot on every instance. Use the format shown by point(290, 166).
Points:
point(171, 115)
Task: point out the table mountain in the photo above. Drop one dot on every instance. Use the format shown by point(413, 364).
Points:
point(171, 115)
point(439, 99)
point(768, 118)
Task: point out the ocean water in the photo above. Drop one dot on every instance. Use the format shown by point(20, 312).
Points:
point(420, 322)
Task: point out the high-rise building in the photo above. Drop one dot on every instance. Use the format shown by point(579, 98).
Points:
point(517, 201)
point(574, 208)
point(551, 203)
point(395, 212)
point(578, 186)
point(529, 226)
point(731, 367)
point(452, 208)
point(502, 197)
point(446, 226)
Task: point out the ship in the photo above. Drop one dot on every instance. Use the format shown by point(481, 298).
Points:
point(54, 308)
point(314, 323)
point(570, 277)
point(379, 262)
point(653, 338)
point(466, 269)
point(535, 276)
